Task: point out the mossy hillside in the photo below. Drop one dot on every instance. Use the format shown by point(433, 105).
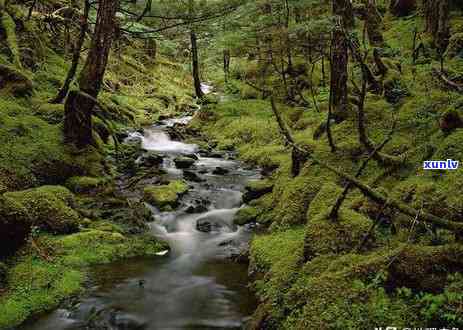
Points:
point(33, 152)
point(37, 284)
point(165, 196)
point(136, 90)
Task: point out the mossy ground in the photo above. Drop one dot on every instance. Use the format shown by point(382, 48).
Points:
point(313, 272)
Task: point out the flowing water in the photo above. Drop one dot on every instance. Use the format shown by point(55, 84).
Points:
point(193, 286)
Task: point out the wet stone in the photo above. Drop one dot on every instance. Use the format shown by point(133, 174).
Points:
point(192, 176)
point(183, 162)
point(220, 171)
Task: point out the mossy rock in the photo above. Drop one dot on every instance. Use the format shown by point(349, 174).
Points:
point(450, 120)
point(184, 162)
point(15, 82)
point(166, 196)
point(426, 268)
point(85, 184)
point(256, 189)
point(294, 195)
point(49, 208)
point(246, 215)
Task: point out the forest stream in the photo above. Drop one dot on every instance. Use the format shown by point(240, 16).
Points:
point(195, 285)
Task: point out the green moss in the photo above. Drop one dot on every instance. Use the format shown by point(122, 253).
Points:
point(246, 215)
point(165, 196)
point(9, 26)
point(36, 285)
point(34, 152)
point(85, 184)
point(49, 207)
point(51, 113)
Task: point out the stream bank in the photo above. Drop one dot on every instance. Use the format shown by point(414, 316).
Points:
point(195, 284)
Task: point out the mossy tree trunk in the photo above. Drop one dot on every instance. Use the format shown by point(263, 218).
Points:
point(374, 24)
point(80, 104)
point(63, 92)
point(339, 76)
point(9, 28)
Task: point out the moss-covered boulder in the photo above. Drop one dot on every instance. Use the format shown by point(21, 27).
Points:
point(13, 81)
point(256, 189)
point(294, 195)
point(49, 208)
point(165, 196)
point(246, 215)
point(85, 184)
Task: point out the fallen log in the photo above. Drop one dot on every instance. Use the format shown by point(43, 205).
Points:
point(376, 196)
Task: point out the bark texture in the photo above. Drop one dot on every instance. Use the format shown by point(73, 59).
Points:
point(79, 106)
point(338, 84)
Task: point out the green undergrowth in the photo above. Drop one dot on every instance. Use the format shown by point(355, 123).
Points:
point(36, 165)
point(313, 272)
point(42, 277)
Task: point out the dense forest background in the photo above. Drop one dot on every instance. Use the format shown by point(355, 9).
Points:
point(339, 102)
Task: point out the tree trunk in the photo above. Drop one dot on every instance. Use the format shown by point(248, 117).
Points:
point(75, 57)
point(79, 107)
point(344, 9)
point(195, 64)
point(436, 13)
point(374, 24)
point(402, 7)
point(338, 84)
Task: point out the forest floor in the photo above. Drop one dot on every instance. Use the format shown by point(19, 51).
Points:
point(373, 267)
